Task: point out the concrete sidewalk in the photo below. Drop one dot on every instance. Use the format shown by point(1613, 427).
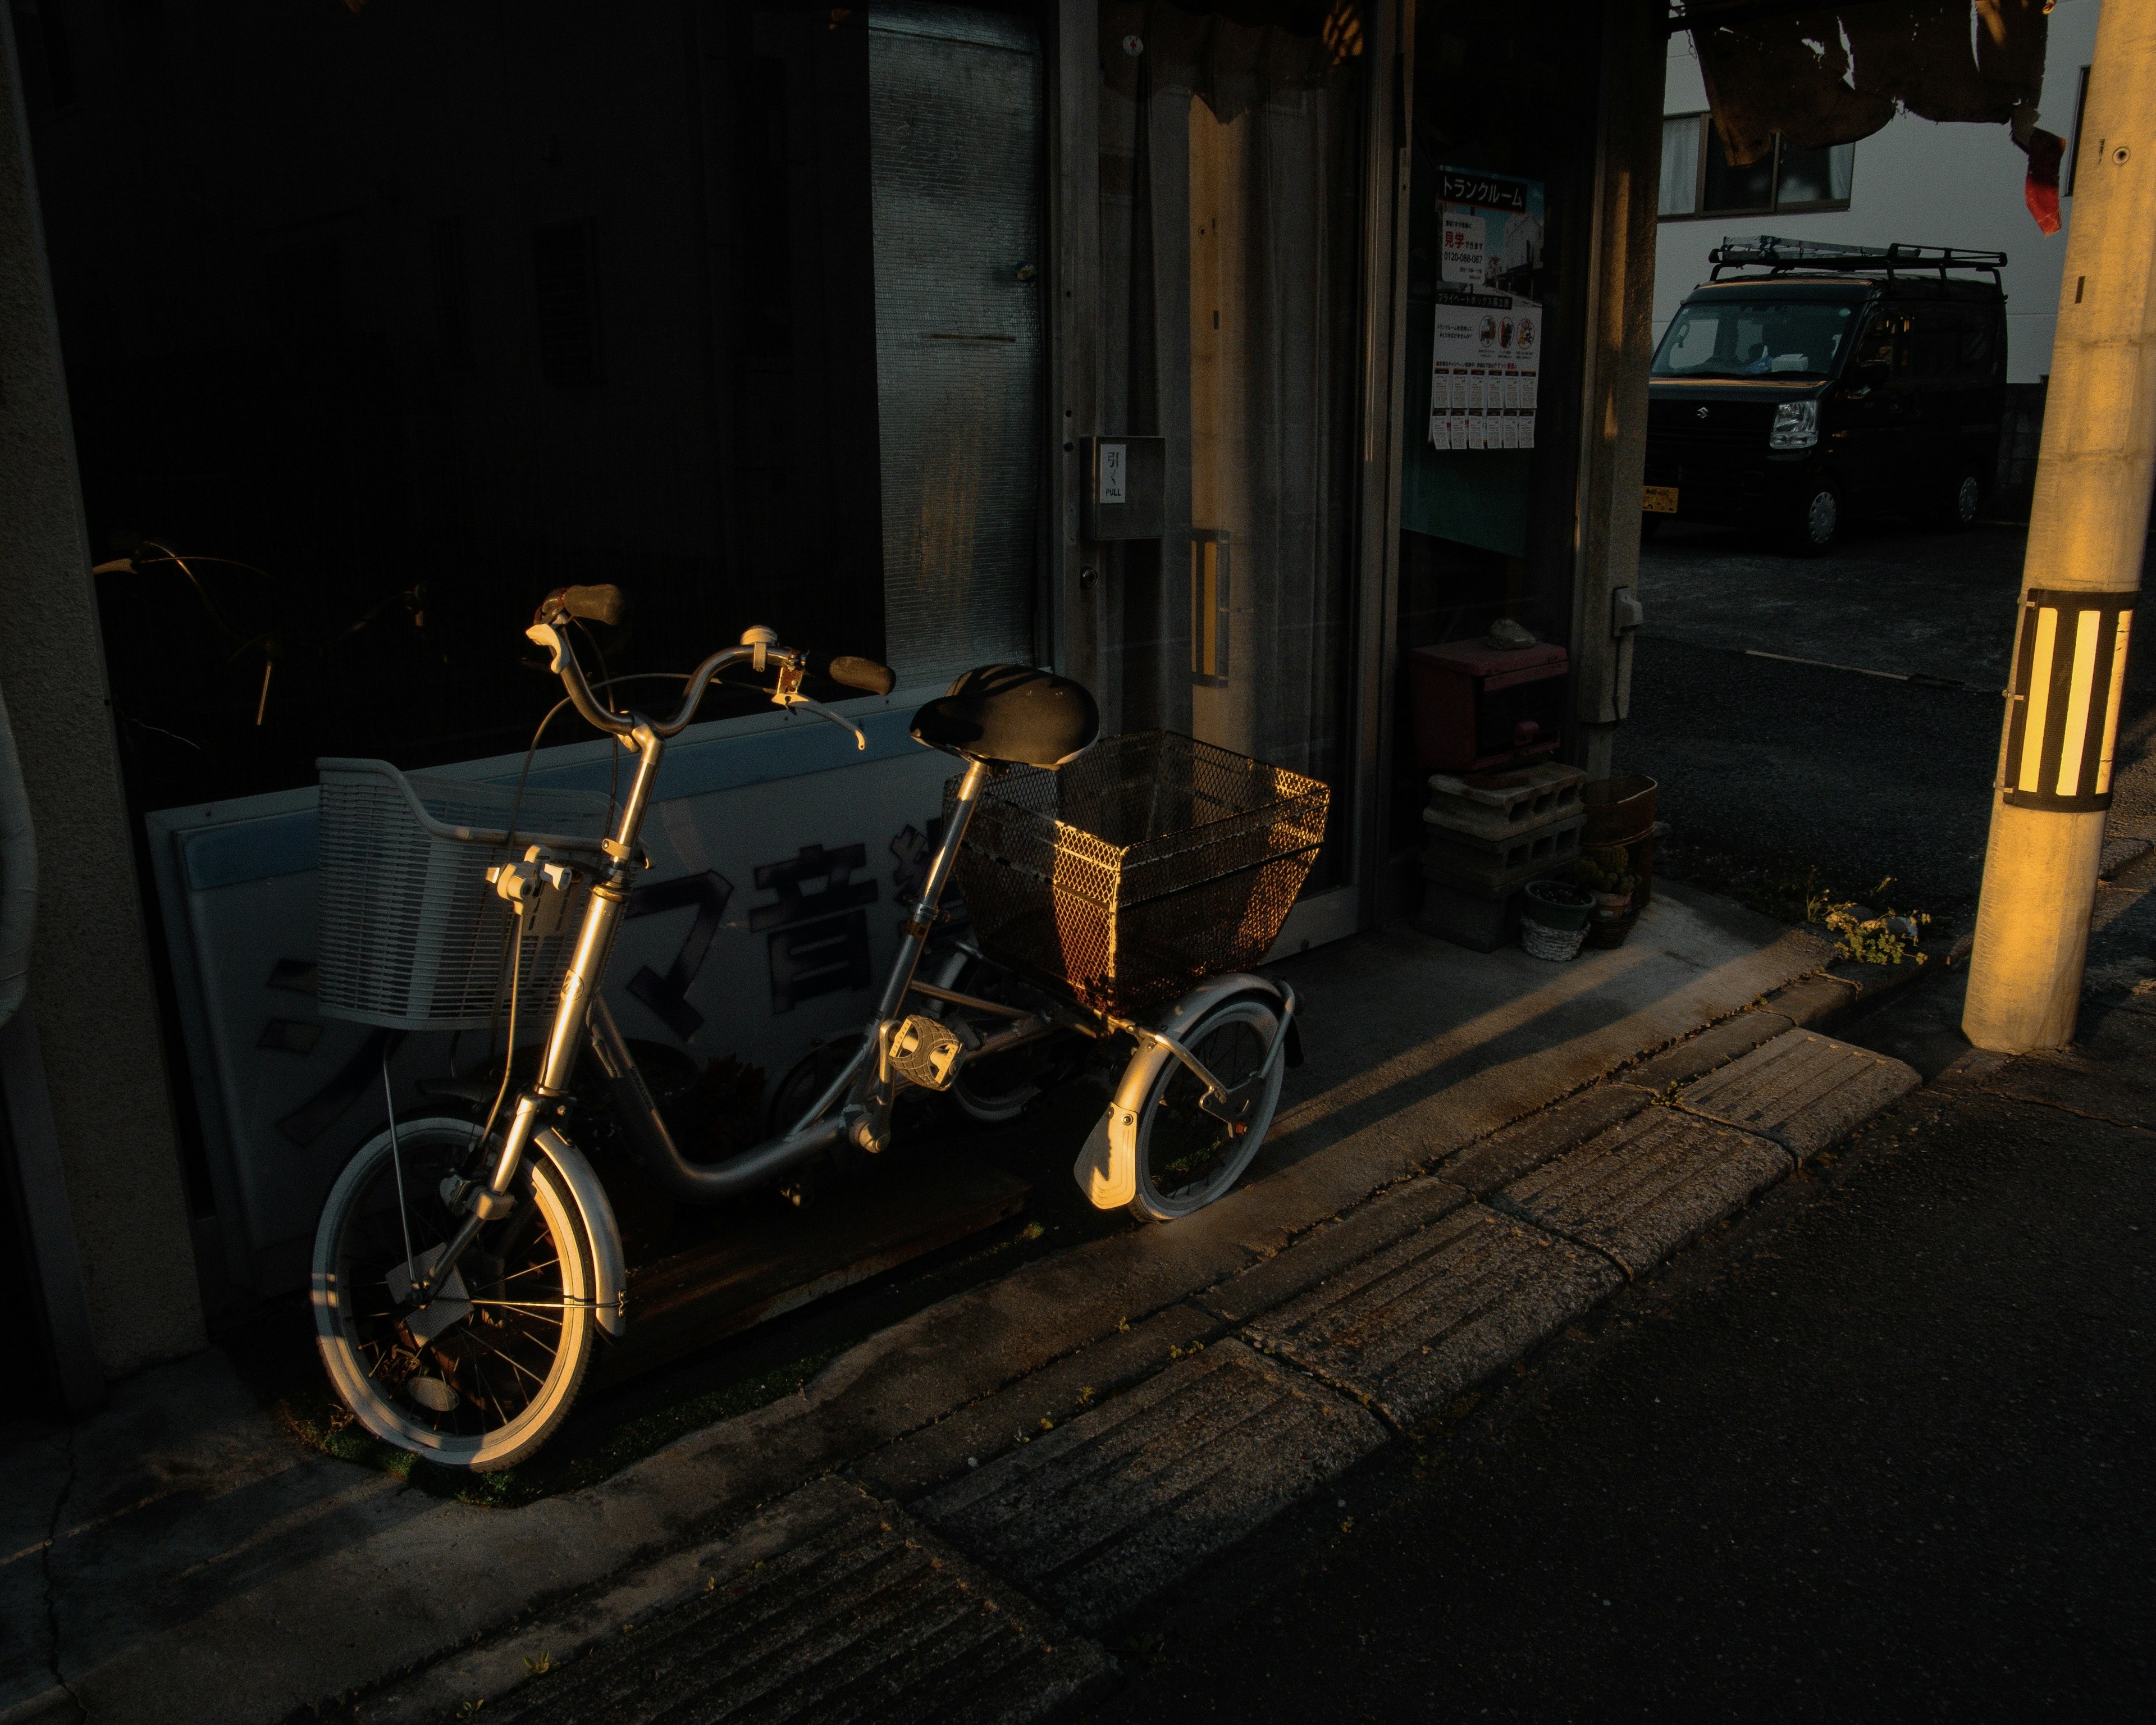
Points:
point(229, 1574)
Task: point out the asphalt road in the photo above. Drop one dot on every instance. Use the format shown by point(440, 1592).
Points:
point(1783, 766)
point(1880, 1450)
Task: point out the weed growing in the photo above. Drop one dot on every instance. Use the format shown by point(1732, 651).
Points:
point(1870, 932)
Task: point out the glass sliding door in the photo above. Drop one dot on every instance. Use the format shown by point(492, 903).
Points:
point(1230, 214)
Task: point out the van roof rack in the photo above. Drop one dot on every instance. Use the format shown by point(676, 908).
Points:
point(1812, 255)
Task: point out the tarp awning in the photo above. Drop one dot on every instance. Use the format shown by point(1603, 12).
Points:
point(1831, 74)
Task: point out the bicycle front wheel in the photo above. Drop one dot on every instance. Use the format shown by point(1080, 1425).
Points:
point(482, 1377)
point(1187, 1156)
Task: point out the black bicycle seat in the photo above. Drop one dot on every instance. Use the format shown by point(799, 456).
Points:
point(1011, 715)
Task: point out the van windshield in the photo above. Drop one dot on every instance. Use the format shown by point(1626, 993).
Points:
point(1755, 338)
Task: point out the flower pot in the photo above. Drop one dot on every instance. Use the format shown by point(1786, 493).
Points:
point(1620, 811)
point(1538, 940)
point(1609, 906)
point(1556, 903)
point(1553, 918)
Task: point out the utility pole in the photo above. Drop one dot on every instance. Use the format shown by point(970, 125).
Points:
point(2086, 536)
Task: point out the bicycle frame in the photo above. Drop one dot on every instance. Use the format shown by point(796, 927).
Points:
point(854, 1107)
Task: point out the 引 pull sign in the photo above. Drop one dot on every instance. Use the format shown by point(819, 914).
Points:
point(1125, 488)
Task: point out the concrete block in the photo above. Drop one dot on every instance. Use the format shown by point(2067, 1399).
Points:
point(827, 1605)
point(1716, 1046)
point(1805, 1091)
point(1813, 999)
point(1503, 1157)
point(1410, 1327)
point(1645, 1188)
point(1502, 863)
point(1468, 917)
point(1488, 811)
point(1098, 1514)
point(1333, 1246)
point(984, 1429)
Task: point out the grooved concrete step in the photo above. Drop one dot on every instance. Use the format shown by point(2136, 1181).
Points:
point(1643, 1188)
point(860, 1616)
point(1802, 1090)
point(1410, 1327)
point(1327, 1251)
point(1697, 1055)
point(1098, 1514)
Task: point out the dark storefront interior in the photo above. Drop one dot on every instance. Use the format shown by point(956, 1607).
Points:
point(1491, 533)
point(409, 319)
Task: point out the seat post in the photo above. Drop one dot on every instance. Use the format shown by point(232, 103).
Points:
point(915, 930)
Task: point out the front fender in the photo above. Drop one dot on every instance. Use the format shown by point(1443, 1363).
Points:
point(607, 1274)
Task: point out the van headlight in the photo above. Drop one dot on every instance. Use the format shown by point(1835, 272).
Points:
point(1796, 426)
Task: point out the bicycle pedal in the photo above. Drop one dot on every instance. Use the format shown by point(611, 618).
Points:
point(925, 1052)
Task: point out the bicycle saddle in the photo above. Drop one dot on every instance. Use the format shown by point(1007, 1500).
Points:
point(1010, 715)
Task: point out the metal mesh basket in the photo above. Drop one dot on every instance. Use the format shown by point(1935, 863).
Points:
point(408, 931)
point(1151, 861)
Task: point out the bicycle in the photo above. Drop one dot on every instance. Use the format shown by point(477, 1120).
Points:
point(465, 1266)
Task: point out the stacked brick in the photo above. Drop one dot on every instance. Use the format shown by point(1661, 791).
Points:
point(1485, 836)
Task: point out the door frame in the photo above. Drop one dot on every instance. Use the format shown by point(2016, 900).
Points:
point(1072, 611)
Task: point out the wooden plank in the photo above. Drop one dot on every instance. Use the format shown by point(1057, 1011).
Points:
point(782, 1262)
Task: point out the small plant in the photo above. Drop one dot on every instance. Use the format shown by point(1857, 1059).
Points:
point(1869, 937)
point(1607, 869)
point(540, 1667)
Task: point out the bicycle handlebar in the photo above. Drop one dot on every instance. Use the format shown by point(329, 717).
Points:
point(760, 647)
point(854, 673)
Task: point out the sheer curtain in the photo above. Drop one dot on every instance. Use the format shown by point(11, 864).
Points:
point(1229, 217)
point(1680, 165)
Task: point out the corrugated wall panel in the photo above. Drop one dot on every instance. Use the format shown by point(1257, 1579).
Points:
point(955, 129)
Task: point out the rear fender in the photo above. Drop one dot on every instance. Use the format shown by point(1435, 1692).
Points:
point(1106, 1169)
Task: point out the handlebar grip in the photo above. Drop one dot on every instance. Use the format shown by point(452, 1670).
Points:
point(864, 674)
point(601, 604)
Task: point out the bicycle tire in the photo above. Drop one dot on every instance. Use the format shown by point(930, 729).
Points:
point(377, 1365)
point(1175, 1136)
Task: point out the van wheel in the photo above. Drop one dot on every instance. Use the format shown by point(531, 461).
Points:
point(1818, 523)
point(1958, 508)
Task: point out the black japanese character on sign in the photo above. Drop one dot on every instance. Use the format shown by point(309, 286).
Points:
point(914, 851)
point(832, 951)
point(668, 995)
point(818, 958)
point(815, 863)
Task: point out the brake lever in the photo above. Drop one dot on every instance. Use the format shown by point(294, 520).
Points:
point(787, 695)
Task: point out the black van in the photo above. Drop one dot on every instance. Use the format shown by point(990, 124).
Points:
point(1814, 383)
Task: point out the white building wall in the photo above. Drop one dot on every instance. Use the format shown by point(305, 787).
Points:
point(1919, 183)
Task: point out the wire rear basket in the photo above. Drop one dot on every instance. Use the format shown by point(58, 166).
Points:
point(409, 932)
point(1149, 863)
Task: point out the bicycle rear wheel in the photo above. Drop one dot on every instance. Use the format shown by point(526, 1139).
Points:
point(1187, 1157)
point(485, 1390)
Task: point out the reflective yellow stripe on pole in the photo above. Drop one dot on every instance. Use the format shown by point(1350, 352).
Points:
point(2087, 535)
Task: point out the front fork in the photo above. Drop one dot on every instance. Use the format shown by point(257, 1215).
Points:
point(579, 990)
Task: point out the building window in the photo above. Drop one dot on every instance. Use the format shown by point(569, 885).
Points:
point(1699, 180)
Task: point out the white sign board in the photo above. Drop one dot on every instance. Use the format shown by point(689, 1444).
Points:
point(1486, 356)
point(1114, 472)
point(778, 856)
